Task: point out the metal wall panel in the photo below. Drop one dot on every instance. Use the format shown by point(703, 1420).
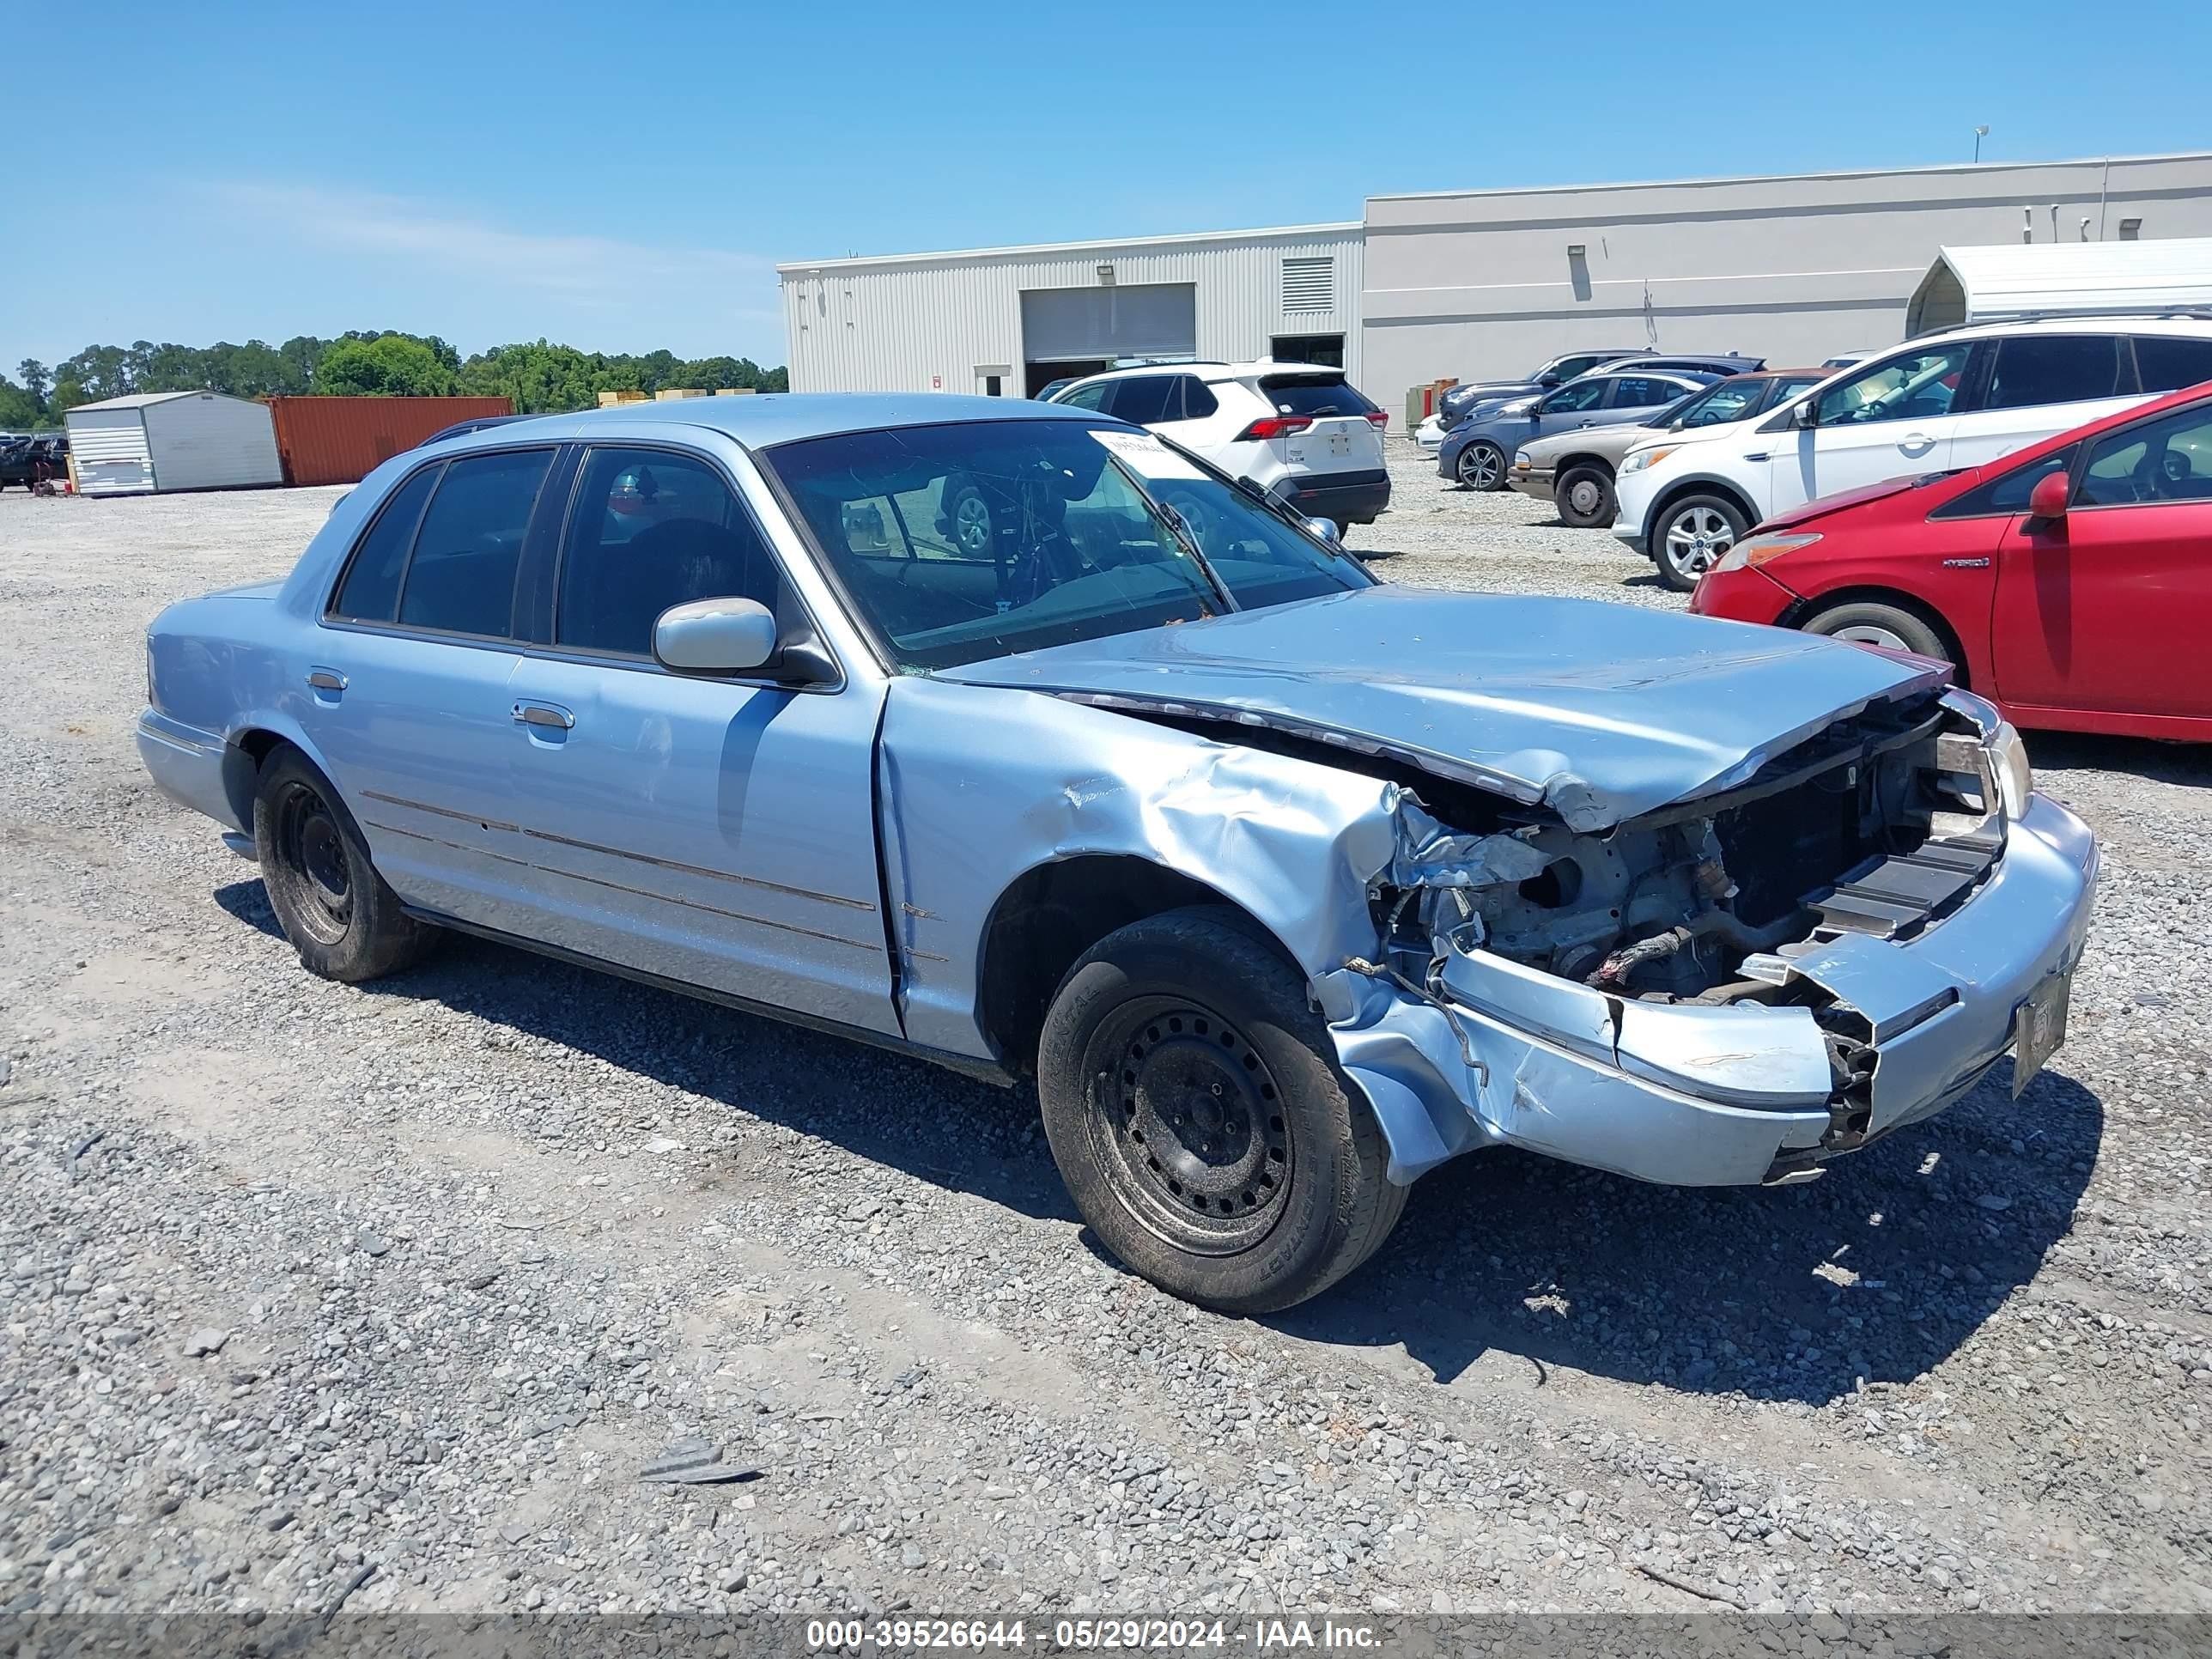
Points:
point(110, 450)
point(926, 323)
point(206, 440)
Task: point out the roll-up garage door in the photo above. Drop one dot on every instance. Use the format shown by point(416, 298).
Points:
point(1087, 324)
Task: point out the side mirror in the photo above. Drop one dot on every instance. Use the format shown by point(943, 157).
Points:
point(715, 636)
point(1325, 530)
point(1805, 414)
point(1548, 381)
point(2049, 498)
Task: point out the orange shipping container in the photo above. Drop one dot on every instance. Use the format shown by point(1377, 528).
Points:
point(327, 440)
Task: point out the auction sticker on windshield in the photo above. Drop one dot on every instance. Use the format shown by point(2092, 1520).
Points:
point(1146, 456)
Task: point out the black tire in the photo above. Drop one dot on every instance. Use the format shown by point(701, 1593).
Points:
point(1690, 537)
point(1584, 497)
point(339, 915)
point(1195, 1110)
point(969, 522)
point(1481, 466)
point(1881, 625)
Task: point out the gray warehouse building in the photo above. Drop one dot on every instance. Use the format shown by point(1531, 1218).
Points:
point(1471, 284)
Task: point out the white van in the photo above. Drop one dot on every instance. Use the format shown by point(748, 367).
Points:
point(1955, 399)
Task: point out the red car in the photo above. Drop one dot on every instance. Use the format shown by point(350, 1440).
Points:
point(2071, 581)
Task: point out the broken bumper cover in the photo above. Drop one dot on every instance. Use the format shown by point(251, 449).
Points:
point(1693, 1095)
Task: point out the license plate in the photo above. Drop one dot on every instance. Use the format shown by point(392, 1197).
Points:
point(2038, 1029)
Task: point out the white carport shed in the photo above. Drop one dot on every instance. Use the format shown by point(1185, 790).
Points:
point(2022, 279)
point(167, 440)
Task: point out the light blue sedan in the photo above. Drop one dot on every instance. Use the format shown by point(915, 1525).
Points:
point(1016, 738)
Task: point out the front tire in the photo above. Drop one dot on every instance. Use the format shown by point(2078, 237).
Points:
point(1196, 1112)
point(1481, 466)
point(1871, 623)
point(340, 917)
point(1693, 534)
point(1585, 498)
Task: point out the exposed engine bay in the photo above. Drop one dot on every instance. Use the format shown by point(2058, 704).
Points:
point(1877, 825)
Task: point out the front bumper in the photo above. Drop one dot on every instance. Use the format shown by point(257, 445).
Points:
point(1632, 497)
point(1353, 497)
point(1746, 595)
point(1695, 1095)
point(1535, 482)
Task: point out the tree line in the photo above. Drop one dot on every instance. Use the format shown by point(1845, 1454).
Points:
point(540, 377)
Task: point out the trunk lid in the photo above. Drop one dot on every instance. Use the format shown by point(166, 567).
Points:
point(1599, 711)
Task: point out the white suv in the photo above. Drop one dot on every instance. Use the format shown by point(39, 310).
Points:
point(1957, 398)
point(1301, 432)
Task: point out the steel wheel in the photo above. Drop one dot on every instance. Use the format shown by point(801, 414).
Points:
point(1187, 1114)
point(1584, 495)
point(312, 848)
point(1481, 466)
point(971, 524)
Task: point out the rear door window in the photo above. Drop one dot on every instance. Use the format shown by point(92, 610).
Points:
point(461, 579)
point(2167, 364)
point(2056, 368)
point(1642, 392)
point(370, 592)
point(1145, 400)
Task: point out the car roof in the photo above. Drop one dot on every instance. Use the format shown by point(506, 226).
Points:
point(1213, 371)
point(2188, 325)
point(767, 419)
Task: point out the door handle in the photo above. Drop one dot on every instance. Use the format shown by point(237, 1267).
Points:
point(548, 715)
point(327, 679)
point(1916, 443)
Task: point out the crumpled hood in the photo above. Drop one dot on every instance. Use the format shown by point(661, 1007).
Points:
point(1601, 712)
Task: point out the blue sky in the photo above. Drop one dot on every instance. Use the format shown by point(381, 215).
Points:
point(626, 178)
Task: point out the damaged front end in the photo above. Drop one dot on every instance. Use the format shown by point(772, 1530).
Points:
point(1728, 989)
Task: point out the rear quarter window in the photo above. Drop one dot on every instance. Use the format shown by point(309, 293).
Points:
point(370, 590)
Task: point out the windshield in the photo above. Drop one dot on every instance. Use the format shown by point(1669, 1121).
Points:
point(1727, 400)
point(983, 538)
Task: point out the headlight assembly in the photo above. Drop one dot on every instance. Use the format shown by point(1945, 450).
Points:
point(1758, 549)
point(1644, 457)
point(2008, 760)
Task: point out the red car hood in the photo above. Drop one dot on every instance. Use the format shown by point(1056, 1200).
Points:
point(1823, 506)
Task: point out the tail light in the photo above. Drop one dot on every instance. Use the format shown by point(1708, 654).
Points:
point(1378, 418)
point(1274, 426)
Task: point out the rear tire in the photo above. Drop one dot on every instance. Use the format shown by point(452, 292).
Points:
point(1584, 497)
point(1194, 1107)
point(1481, 466)
point(340, 917)
point(1889, 625)
point(1691, 537)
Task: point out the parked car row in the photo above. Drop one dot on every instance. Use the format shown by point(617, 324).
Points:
point(2070, 582)
point(1475, 451)
point(1575, 469)
point(1940, 403)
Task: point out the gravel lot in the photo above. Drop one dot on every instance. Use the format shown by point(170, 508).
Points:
point(298, 1280)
